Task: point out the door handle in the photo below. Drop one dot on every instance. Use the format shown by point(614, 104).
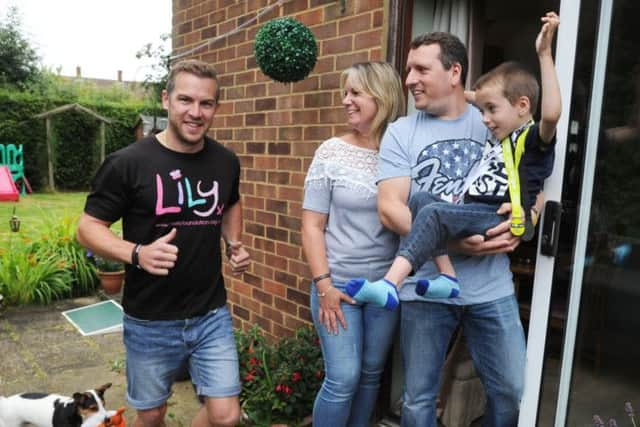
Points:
point(551, 228)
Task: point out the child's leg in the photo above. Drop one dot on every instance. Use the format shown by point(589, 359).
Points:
point(443, 286)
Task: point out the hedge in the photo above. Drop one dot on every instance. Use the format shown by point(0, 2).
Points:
point(74, 136)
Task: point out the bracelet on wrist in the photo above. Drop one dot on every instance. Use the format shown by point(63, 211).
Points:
point(321, 277)
point(135, 256)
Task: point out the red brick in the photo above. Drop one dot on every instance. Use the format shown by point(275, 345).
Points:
point(288, 251)
point(284, 305)
point(256, 147)
point(310, 18)
point(325, 65)
point(241, 312)
point(275, 88)
point(255, 229)
point(286, 278)
point(318, 100)
point(263, 297)
point(267, 218)
point(337, 45)
point(267, 245)
point(357, 24)
point(262, 322)
point(290, 164)
point(279, 148)
point(242, 106)
point(312, 133)
point(294, 6)
point(267, 191)
point(278, 118)
point(265, 104)
point(266, 134)
point(266, 162)
point(325, 31)
point(257, 119)
point(257, 90)
point(277, 234)
point(251, 279)
point(288, 134)
point(308, 117)
point(367, 40)
point(276, 261)
point(246, 77)
point(307, 85)
point(299, 268)
point(378, 18)
point(278, 177)
point(288, 193)
point(274, 288)
point(253, 175)
point(304, 313)
point(331, 115)
point(272, 314)
point(344, 61)
point(293, 322)
point(295, 208)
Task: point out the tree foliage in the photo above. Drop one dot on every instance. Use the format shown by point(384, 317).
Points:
point(156, 80)
point(19, 61)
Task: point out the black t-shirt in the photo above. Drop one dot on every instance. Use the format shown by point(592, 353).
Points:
point(535, 166)
point(154, 189)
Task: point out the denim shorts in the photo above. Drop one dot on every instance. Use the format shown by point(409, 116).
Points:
point(157, 350)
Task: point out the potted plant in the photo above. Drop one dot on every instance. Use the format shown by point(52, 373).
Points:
point(280, 380)
point(110, 273)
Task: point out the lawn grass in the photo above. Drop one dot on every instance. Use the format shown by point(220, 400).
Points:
point(35, 211)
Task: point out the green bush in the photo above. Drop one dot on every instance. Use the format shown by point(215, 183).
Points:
point(25, 279)
point(59, 242)
point(279, 381)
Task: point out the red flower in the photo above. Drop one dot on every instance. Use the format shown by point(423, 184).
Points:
point(296, 376)
point(319, 374)
point(279, 387)
point(253, 361)
point(287, 390)
point(249, 377)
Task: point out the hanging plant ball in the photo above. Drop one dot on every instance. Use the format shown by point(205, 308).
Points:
point(286, 50)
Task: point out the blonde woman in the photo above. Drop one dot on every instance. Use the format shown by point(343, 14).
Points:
point(342, 238)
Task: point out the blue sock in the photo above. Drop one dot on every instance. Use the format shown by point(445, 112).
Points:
point(382, 293)
point(443, 286)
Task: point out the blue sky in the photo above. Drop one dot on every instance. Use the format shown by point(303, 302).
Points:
point(100, 36)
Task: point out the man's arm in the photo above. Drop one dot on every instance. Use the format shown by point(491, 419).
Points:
point(551, 104)
point(232, 234)
point(393, 195)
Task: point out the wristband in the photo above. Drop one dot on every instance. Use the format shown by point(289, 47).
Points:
point(321, 277)
point(135, 261)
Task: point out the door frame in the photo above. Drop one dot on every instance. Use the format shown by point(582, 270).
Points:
point(566, 43)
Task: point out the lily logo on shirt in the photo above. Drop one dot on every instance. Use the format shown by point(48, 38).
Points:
point(207, 197)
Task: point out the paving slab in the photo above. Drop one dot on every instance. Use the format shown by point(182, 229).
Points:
point(41, 351)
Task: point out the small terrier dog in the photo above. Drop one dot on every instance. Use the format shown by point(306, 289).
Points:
point(50, 410)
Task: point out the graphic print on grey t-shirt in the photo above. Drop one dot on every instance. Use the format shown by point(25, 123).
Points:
point(442, 167)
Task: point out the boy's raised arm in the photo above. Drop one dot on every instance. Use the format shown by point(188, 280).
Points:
point(551, 105)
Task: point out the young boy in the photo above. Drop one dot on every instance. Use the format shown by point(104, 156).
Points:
point(513, 167)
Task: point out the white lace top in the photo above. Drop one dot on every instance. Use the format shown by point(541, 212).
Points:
point(341, 182)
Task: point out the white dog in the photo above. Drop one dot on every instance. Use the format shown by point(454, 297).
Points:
point(51, 410)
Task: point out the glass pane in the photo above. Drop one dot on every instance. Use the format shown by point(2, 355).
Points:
point(605, 373)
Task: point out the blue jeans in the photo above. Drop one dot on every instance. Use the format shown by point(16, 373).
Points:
point(436, 222)
point(157, 350)
point(495, 339)
point(353, 360)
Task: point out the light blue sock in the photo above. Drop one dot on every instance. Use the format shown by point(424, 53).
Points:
point(382, 292)
point(443, 286)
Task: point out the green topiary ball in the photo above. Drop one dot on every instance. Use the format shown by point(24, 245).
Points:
point(286, 50)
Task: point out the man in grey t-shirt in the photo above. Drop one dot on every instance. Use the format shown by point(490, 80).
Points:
point(434, 150)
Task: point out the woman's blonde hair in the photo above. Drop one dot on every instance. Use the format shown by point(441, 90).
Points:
point(382, 82)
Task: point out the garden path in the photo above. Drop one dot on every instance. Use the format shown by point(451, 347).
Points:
point(41, 351)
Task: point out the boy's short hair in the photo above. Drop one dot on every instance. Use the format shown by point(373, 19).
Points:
point(197, 68)
point(515, 81)
point(452, 50)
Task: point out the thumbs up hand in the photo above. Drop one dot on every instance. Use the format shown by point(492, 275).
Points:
point(160, 256)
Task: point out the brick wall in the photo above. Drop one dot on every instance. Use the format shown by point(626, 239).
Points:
point(275, 128)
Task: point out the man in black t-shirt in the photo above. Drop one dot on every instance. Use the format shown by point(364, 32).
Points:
point(177, 195)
